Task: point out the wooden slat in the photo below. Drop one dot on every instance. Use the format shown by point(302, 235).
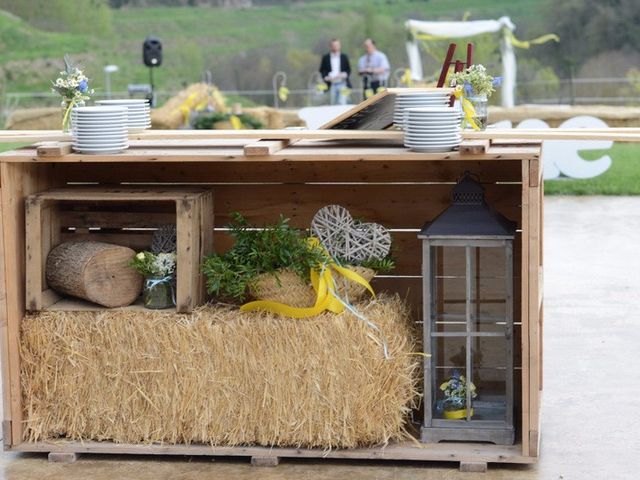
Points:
point(395, 206)
point(116, 219)
point(187, 215)
point(295, 172)
point(135, 240)
point(34, 254)
point(4, 341)
point(54, 149)
point(265, 147)
point(447, 452)
point(115, 194)
point(524, 310)
point(474, 147)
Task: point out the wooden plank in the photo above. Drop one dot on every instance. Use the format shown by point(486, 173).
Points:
point(446, 452)
point(4, 340)
point(474, 147)
point(473, 467)
point(33, 254)
point(265, 461)
point(18, 181)
point(394, 206)
point(295, 172)
point(54, 149)
point(524, 310)
point(265, 147)
point(206, 239)
point(553, 134)
point(187, 215)
point(62, 457)
point(115, 194)
point(304, 153)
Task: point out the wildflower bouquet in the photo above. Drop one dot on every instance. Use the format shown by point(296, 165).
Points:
point(73, 86)
point(150, 264)
point(475, 82)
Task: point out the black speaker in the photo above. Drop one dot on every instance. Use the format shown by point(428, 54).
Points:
point(152, 52)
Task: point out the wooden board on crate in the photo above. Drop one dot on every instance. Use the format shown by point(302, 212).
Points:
point(393, 186)
point(73, 213)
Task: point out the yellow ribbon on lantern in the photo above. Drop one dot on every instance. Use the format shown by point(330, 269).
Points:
point(283, 93)
point(368, 92)
point(321, 87)
point(323, 283)
point(467, 108)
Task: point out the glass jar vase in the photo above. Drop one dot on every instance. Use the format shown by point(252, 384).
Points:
point(159, 292)
point(481, 106)
point(67, 126)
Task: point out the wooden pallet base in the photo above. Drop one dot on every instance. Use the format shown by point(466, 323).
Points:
point(60, 457)
point(444, 452)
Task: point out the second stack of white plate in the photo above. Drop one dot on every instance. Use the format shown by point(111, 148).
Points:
point(432, 129)
point(100, 130)
point(138, 109)
point(434, 98)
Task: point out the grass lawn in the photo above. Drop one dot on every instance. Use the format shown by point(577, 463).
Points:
point(623, 178)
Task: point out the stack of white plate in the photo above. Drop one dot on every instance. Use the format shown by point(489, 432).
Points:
point(100, 129)
point(139, 112)
point(432, 129)
point(434, 98)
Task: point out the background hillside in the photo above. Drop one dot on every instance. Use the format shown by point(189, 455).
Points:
point(245, 43)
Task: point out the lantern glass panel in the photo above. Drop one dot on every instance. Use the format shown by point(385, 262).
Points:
point(451, 354)
point(489, 377)
point(449, 289)
point(489, 285)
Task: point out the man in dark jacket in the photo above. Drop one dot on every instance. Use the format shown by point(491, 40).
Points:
point(335, 71)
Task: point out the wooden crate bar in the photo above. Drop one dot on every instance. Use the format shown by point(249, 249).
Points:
point(385, 184)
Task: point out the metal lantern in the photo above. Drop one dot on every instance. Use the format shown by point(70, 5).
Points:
point(467, 270)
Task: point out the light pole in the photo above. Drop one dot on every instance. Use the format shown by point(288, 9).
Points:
point(108, 70)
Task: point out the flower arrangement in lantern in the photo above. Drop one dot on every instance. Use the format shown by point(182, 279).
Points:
point(454, 404)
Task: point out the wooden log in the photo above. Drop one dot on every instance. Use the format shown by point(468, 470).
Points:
point(94, 271)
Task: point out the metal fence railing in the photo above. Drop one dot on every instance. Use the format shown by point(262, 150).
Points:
point(606, 90)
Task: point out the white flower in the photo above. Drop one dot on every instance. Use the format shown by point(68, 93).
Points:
point(140, 256)
point(165, 263)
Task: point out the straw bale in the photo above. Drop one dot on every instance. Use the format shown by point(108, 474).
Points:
point(218, 376)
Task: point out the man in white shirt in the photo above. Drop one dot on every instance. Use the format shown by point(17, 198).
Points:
point(335, 71)
point(373, 68)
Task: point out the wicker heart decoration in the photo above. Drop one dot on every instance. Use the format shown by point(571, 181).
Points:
point(347, 239)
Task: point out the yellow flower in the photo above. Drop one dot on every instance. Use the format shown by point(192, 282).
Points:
point(140, 256)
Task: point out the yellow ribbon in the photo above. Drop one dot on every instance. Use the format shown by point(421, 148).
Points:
point(321, 87)
point(368, 92)
point(406, 77)
point(536, 41)
point(467, 108)
point(345, 91)
point(65, 118)
point(236, 123)
point(283, 93)
point(323, 284)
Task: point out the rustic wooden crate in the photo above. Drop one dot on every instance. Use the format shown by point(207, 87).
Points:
point(385, 184)
point(124, 216)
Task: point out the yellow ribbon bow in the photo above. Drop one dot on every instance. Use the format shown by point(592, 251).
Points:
point(467, 108)
point(321, 87)
point(236, 123)
point(324, 286)
point(406, 77)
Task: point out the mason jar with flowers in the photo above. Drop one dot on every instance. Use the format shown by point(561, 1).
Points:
point(158, 270)
point(454, 403)
point(73, 86)
point(473, 87)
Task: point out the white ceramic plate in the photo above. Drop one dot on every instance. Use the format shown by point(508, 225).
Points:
point(124, 101)
point(102, 136)
point(99, 109)
point(431, 144)
point(99, 151)
point(432, 149)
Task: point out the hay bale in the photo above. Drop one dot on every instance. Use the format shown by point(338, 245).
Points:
point(219, 377)
point(49, 118)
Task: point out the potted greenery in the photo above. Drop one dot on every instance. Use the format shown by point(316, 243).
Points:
point(158, 270)
point(476, 85)
point(269, 263)
point(454, 404)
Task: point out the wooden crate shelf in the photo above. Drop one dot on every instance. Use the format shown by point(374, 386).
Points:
point(120, 215)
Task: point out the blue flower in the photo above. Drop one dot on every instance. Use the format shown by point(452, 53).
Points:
point(83, 86)
point(456, 373)
point(468, 89)
point(497, 81)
